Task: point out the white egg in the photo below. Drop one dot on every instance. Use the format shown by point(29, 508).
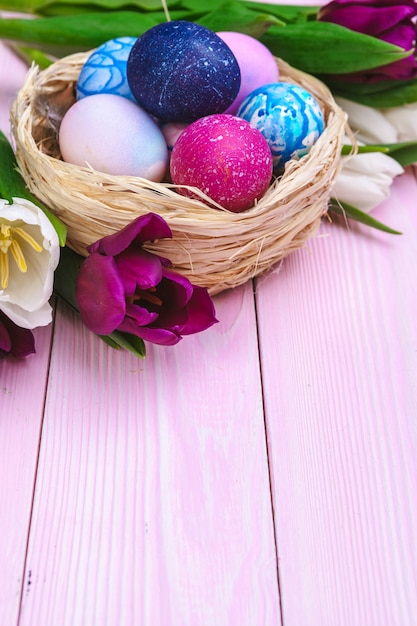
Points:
point(113, 135)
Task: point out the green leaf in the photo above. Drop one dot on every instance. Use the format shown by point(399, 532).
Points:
point(347, 149)
point(346, 210)
point(404, 152)
point(74, 7)
point(13, 185)
point(110, 342)
point(231, 16)
point(65, 277)
point(325, 48)
point(20, 6)
point(363, 89)
point(78, 7)
point(405, 155)
point(60, 36)
point(201, 6)
point(290, 14)
point(29, 56)
point(283, 13)
point(133, 344)
point(402, 93)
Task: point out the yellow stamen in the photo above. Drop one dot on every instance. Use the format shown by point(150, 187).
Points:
point(4, 269)
point(8, 242)
point(31, 241)
point(17, 254)
point(5, 240)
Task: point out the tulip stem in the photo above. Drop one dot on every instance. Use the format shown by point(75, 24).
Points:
point(346, 210)
point(165, 7)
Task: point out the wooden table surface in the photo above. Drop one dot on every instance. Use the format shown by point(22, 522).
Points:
point(260, 473)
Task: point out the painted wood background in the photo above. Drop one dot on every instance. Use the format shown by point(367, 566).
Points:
point(260, 473)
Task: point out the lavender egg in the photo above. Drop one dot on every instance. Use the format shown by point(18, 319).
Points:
point(257, 64)
point(180, 71)
point(115, 136)
point(288, 116)
point(105, 70)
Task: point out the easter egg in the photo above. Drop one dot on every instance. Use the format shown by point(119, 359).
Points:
point(257, 64)
point(172, 131)
point(179, 71)
point(105, 70)
point(288, 116)
point(227, 159)
point(113, 135)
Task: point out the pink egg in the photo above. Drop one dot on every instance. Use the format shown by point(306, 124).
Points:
point(171, 131)
point(227, 159)
point(257, 64)
point(113, 135)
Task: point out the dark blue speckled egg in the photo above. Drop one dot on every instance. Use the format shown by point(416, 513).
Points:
point(180, 71)
point(105, 70)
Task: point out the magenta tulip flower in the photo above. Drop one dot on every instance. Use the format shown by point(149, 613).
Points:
point(16, 341)
point(388, 20)
point(121, 286)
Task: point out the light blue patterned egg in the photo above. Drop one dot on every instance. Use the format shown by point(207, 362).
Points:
point(288, 116)
point(105, 70)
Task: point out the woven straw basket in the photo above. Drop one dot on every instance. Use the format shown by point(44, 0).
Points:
point(215, 248)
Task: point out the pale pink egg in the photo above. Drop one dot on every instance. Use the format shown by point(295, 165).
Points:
point(113, 135)
point(172, 131)
point(257, 64)
point(227, 159)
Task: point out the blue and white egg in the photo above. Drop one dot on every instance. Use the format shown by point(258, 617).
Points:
point(288, 116)
point(105, 70)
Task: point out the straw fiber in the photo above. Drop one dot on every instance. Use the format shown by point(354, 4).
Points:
point(215, 248)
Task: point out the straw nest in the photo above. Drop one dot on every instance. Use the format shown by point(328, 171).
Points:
point(215, 248)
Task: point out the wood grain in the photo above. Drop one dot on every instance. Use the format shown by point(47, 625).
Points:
point(12, 74)
point(153, 501)
point(339, 359)
point(22, 392)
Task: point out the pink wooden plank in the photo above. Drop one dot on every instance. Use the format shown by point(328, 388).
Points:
point(153, 500)
point(22, 391)
point(338, 341)
point(12, 73)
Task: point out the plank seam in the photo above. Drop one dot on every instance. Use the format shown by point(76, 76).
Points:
point(269, 463)
point(27, 582)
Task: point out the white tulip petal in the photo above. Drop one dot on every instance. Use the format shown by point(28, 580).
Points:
point(373, 164)
point(365, 180)
point(25, 299)
point(28, 319)
point(369, 125)
point(404, 119)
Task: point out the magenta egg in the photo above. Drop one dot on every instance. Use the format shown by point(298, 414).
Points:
point(224, 157)
point(257, 64)
point(113, 135)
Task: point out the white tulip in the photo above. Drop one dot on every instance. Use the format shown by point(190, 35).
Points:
point(369, 125)
point(365, 180)
point(29, 255)
point(404, 119)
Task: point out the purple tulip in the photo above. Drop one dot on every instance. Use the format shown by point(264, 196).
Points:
point(121, 286)
point(16, 341)
point(388, 20)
